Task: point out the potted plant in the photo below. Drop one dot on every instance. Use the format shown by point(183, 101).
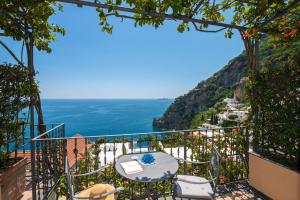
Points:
point(15, 92)
point(274, 163)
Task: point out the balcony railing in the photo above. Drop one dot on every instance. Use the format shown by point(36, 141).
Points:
point(87, 153)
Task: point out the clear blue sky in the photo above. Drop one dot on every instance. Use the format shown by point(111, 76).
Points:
point(141, 62)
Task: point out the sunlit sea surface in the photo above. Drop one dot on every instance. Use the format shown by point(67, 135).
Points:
point(104, 116)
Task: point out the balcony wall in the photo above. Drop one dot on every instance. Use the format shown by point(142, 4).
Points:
point(273, 179)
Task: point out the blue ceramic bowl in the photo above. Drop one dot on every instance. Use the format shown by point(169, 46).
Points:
point(147, 159)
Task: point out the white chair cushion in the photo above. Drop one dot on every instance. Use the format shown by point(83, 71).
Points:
point(193, 187)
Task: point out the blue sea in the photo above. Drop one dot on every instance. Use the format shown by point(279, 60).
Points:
point(104, 116)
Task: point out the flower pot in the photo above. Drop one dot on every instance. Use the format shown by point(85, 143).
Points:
point(272, 179)
point(12, 181)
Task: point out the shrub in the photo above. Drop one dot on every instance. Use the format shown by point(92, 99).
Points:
point(15, 92)
point(275, 108)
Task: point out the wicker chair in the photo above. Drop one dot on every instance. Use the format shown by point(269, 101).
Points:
point(195, 187)
point(97, 192)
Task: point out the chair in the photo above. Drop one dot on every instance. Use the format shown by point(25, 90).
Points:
point(194, 187)
point(97, 192)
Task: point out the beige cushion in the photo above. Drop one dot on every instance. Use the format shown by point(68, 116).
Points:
point(97, 190)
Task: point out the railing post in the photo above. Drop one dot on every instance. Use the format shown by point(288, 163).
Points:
point(33, 174)
point(185, 150)
point(64, 144)
point(247, 146)
point(298, 158)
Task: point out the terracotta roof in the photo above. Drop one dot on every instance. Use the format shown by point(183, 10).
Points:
point(71, 150)
point(27, 154)
point(76, 148)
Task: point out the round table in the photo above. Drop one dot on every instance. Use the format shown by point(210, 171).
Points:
point(165, 167)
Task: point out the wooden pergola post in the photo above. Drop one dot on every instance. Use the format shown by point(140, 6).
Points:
point(30, 55)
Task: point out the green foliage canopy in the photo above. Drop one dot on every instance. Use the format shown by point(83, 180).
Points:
point(250, 17)
point(17, 18)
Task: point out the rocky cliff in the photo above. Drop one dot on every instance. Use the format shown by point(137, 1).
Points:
point(208, 92)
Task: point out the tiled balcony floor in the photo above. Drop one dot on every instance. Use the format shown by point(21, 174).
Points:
point(235, 191)
point(231, 191)
point(238, 191)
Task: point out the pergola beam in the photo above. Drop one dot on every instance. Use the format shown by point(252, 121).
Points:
point(152, 14)
point(184, 18)
point(10, 52)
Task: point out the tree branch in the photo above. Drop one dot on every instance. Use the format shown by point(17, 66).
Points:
point(11, 52)
point(125, 16)
point(226, 6)
point(22, 50)
point(153, 14)
point(207, 31)
point(7, 14)
point(247, 2)
point(197, 7)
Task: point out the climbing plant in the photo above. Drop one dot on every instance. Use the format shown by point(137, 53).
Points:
point(15, 91)
point(27, 21)
point(277, 84)
point(250, 17)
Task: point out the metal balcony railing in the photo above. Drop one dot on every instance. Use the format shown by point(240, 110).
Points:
point(87, 153)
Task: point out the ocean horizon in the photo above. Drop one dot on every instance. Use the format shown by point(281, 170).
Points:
point(104, 116)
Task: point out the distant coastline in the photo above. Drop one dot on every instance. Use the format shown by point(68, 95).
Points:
point(163, 99)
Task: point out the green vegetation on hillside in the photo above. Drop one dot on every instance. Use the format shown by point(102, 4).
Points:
point(187, 110)
point(209, 114)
